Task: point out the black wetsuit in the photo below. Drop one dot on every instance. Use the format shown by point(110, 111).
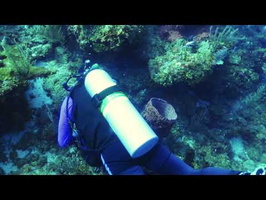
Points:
point(97, 134)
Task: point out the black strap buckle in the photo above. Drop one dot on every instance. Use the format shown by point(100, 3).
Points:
point(65, 84)
point(97, 98)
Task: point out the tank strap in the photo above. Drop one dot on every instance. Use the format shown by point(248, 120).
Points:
point(97, 99)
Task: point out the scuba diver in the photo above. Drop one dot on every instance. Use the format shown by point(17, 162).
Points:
point(110, 132)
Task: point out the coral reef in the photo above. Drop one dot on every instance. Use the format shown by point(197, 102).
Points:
point(103, 38)
point(192, 61)
point(172, 32)
point(181, 64)
point(53, 83)
point(242, 77)
point(35, 155)
point(17, 67)
point(52, 33)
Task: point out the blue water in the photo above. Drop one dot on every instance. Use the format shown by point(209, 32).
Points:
point(221, 118)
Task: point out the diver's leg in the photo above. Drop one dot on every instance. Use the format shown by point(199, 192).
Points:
point(162, 161)
point(215, 171)
point(117, 161)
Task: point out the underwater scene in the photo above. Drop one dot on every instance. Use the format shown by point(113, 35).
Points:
point(208, 80)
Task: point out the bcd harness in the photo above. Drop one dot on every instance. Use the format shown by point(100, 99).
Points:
point(92, 156)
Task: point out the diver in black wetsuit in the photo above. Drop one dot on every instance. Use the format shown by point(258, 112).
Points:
point(80, 119)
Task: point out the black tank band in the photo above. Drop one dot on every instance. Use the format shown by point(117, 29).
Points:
point(97, 98)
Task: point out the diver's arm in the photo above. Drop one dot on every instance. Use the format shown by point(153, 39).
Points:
point(65, 137)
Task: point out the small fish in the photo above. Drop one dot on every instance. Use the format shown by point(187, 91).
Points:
point(191, 43)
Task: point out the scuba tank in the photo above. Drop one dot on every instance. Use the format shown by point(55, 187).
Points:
point(127, 123)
